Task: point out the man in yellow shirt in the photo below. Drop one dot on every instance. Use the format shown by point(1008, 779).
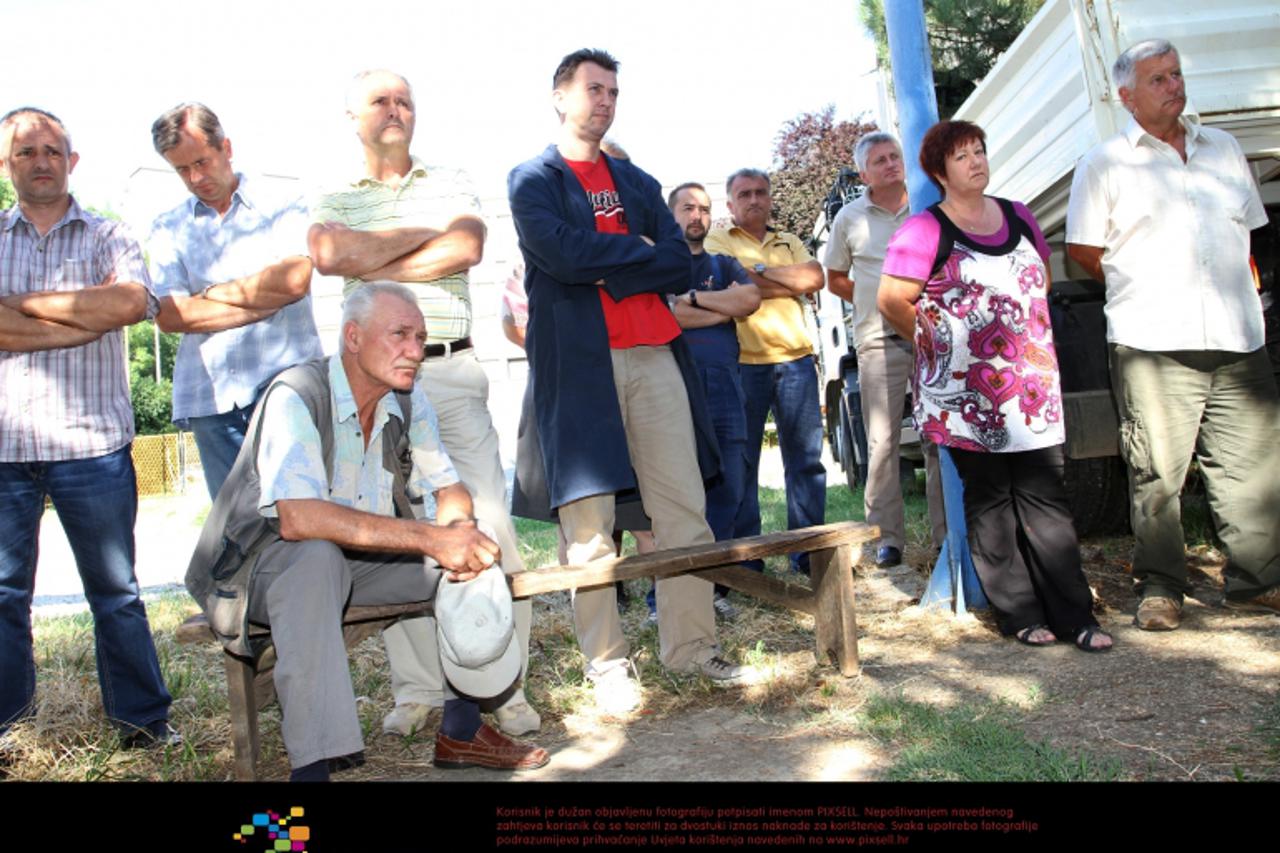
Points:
point(777, 363)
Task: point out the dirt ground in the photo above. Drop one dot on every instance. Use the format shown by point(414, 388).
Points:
point(1182, 705)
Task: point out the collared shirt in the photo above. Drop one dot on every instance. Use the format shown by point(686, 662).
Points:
point(291, 461)
point(428, 196)
point(859, 236)
point(1175, 239)
point(69, 403)
point(777, 331)
point(191, 248)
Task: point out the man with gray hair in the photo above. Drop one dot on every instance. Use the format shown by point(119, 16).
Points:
point(1161, 213)
point(340, 449)
point(777, 363)
point(404, 221)
point(232, 275)
point(859, 236)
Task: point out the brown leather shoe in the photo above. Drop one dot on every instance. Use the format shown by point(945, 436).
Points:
point(489, 749)
point(1159, 613)
point(1268, 602)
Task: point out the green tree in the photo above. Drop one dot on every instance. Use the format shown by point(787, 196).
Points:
point(808, 153)
point(152, 400)
point(966, 38)
point(7, 196)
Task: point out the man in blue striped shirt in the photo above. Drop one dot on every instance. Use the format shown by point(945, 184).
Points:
point(231, 271)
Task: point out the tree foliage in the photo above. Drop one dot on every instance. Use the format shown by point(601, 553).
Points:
point(7, 196)
point(808, 153)
point(152, 400)
point(966, 37)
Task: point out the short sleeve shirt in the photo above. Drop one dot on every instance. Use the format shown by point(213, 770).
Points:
point(716, 344)
point(69, 403)
point(291, 462)
point(777, 332)
point(986, 370)
point(1175, 239)
point(859, 236)
point(429, 197)
point(191, 247)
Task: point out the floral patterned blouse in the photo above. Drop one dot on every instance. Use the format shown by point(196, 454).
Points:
point(986, 372)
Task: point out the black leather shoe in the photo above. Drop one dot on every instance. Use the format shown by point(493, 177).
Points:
point(887, 557)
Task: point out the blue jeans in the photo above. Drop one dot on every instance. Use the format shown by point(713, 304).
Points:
point(97, 502)
point(218, 438)
point(790, 389)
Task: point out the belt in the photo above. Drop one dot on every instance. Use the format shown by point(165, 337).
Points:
point(447, 349)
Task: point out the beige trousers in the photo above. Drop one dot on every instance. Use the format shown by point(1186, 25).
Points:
point(459, 392)
point(884, 374)
point(655, 414)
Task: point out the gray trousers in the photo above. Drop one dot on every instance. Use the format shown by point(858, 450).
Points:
point(1223, 407)
point(884, 374)
point(300, 590)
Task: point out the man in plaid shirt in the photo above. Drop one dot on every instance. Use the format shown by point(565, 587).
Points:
point(69, 282)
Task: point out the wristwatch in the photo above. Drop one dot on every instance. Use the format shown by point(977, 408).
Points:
point(759, 269)
point(693, 298)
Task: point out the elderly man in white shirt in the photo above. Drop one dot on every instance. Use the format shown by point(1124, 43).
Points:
point(1161, 213)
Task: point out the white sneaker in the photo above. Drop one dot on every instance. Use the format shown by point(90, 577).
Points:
point(617, 692)
point(724, 674)
point(408, 719)
point(517, 716)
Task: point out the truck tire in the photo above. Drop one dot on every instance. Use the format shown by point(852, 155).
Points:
point(1098, 494)
point(850, 462)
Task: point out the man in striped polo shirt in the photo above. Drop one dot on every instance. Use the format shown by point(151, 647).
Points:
point(69, 281)
point(402, 220)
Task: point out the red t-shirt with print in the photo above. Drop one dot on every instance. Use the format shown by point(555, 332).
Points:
point(639, 320)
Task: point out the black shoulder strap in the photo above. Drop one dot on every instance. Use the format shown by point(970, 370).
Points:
point(946, 238)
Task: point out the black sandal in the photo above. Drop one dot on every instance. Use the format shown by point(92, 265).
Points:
point(1024, 636)
point(1084, 639)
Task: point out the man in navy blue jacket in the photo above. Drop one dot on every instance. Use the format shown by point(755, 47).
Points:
point(617, 401)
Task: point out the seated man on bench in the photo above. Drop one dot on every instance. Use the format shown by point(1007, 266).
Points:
point(337, 451)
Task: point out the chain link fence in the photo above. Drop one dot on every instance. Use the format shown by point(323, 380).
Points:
point(167, 464)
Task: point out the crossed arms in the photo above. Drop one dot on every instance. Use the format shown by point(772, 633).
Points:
point(54, 319)
point(398, 254)
point(716, 306)
point(239, 302)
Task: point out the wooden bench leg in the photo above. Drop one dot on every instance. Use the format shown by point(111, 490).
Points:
point(244, 716)
point(836, 624)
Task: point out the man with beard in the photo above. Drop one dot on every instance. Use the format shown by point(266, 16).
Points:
point(617, 401)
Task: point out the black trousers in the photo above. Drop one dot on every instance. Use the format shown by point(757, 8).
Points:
point(1023, 541)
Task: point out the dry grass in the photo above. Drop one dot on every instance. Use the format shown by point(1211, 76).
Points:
point(1216, 718)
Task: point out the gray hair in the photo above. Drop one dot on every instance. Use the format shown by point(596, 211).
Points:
point(357, 84)
point(746, 173)
point(1125, 68)
point(359, 305)
point(166, 131)
point(12, 117)
point(862, 150)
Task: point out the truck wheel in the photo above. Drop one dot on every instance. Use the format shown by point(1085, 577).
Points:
point(1098, 494)
point(850, 460)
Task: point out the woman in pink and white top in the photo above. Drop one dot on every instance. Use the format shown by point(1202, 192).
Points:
point(968, 281)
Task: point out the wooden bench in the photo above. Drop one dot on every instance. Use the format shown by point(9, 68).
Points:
point(828, 598)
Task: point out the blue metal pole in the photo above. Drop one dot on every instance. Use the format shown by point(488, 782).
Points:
point(954, 578)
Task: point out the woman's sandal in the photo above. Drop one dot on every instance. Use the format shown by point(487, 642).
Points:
point(1025, 636)
point(1084, 639)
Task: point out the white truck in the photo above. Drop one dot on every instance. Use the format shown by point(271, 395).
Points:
point(1044, 104)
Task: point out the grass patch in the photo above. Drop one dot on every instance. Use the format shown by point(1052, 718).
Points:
point(972, 743)
point(1269, 729)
